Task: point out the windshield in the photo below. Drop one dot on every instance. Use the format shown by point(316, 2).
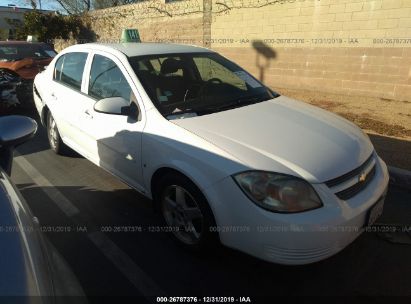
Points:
point(197, 83)
point(15, 52)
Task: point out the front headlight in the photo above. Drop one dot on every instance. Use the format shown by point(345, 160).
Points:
point(278, 192)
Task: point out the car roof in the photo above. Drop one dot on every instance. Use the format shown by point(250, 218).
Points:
point(21, 42)
point(145, 48)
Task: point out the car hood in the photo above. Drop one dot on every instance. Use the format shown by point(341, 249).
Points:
point(287, 136)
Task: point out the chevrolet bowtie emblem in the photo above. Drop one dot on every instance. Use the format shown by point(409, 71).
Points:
point(362, 177)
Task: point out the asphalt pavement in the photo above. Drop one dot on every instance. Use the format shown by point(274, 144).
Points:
point(108, 234)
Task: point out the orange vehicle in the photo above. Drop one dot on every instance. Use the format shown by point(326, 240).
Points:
point(26, 59)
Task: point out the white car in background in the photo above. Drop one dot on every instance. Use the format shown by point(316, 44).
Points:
point(222, 156)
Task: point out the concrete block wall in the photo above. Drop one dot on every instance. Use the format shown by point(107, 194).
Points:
point(353, 47)
point(157, 21)
point(350, 47)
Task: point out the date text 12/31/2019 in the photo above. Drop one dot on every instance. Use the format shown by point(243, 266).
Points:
point(203, 300)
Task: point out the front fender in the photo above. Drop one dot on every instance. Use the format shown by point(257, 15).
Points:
point(199, 161)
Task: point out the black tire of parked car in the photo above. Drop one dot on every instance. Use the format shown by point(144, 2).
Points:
point(56, 144)
point(209, 237)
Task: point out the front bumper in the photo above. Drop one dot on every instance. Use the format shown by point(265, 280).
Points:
point(298, 238)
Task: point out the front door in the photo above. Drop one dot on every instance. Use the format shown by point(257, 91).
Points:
point(115, 140)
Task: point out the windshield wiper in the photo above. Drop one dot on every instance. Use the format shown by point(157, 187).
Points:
point(236, 103)
point(188, 111)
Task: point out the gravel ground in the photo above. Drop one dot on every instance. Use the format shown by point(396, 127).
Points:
point(387, 122)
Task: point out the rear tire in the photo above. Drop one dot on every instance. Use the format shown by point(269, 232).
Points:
point(186, 212)
point(56, 144)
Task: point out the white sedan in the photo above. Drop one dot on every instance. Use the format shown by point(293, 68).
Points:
point(223, 157)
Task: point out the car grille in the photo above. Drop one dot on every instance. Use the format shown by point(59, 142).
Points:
point(358, 187)
point(296, 256)
point(348, 185)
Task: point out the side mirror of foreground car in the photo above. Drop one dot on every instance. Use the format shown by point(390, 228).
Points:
point(14, 130)
point(117, 106)
point(111, 105)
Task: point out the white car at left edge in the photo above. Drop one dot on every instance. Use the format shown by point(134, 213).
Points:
point(223, 157)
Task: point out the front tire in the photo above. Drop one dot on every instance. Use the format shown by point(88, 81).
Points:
point(56, 144)
point(186, 212)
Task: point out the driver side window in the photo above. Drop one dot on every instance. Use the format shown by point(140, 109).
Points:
point(107, 80)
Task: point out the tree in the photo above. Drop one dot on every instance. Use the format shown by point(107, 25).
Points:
point(47, 27)
point(74, 7)
point(70, 7)
point(99, 4)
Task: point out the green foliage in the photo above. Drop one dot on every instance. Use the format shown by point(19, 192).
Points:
point(47, 26)
point(100, 4)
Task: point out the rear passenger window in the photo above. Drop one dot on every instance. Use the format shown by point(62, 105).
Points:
point(107, 80)
point(69, 69)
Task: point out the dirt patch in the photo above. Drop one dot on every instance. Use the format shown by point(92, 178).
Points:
point(379, 127)
point(381, 115)
point(326, 104)
point(387, 121)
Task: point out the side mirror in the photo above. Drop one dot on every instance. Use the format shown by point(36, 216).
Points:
point(131, 111)
point(14, 130)
point(117, 106)
point(274, 93)
point(112, 105)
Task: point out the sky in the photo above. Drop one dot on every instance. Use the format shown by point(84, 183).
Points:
point(46, 4)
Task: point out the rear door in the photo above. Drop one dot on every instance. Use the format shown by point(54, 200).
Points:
point(65, 99)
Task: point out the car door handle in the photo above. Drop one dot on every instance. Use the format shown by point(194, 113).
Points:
point(88, 114)
point(53, 96)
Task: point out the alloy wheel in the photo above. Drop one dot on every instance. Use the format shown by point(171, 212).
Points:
point(53, 135)
point(183, 214)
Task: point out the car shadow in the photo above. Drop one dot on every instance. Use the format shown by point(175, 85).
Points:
point(394, 151)
point(39, 142)
point(221, 271)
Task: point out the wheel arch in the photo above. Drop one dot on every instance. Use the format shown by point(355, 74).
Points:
point(156, 177)
point(43, 116)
